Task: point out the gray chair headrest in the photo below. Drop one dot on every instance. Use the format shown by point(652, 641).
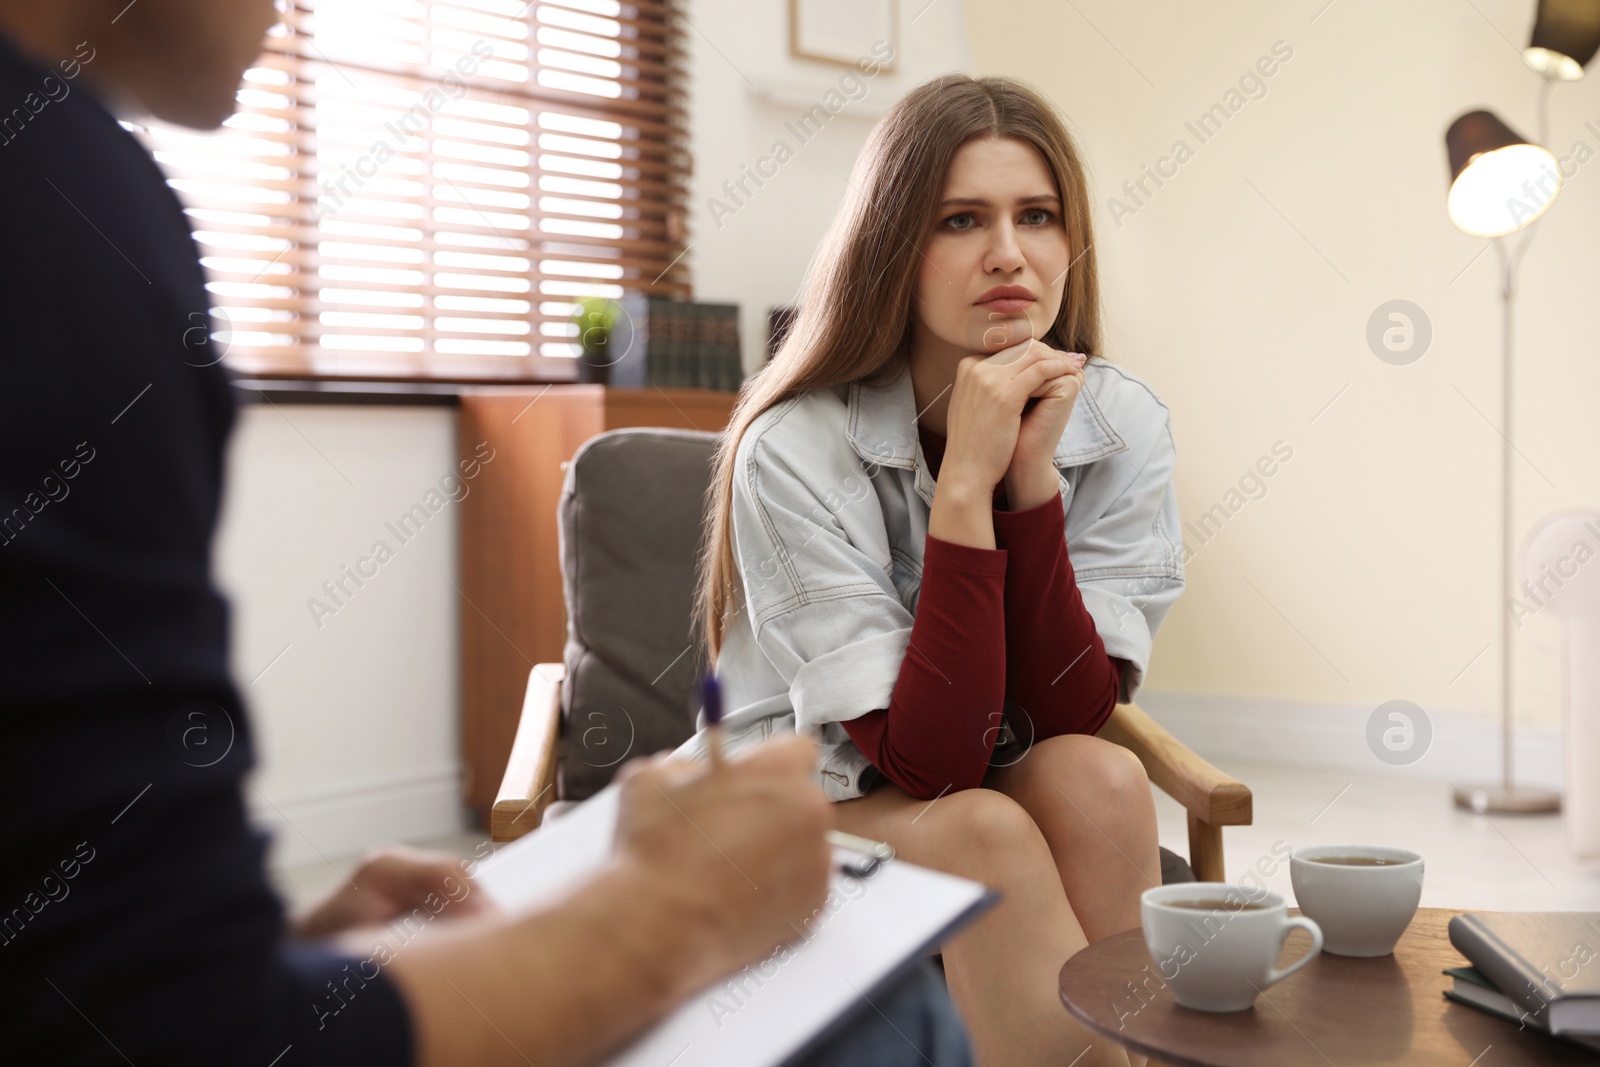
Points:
point(630, 514)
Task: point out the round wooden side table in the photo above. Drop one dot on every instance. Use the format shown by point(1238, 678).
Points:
point(1337, 1009)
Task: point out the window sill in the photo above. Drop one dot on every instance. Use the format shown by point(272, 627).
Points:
point(323, 391)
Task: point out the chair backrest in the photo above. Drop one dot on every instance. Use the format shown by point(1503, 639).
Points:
point(632, 505)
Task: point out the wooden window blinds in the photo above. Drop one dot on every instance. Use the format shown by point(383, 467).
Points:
point(421, 188)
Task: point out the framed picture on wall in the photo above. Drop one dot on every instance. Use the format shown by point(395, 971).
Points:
point(841, 31)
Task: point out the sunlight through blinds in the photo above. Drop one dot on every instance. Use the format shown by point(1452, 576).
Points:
point(420, 188)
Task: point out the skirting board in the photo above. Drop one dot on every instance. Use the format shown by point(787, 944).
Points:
point(349, 819)
point(1465, 748)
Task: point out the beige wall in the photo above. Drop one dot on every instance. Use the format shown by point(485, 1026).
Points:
point(1242, 288)
point(745, 94)
point(355, 713)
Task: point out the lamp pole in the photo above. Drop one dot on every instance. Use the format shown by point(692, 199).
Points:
point(1507, 796)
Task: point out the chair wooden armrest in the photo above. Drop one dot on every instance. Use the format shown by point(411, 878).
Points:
point(1213, 799)
point(529, 783)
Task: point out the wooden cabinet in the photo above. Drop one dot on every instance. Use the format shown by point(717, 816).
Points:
point(512, 611)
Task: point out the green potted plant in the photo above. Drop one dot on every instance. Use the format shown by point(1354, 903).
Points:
point(595, 317)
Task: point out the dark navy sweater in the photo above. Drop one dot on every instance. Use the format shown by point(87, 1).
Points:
point(136, 921)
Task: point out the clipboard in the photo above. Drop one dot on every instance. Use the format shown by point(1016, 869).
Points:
point(878, 919)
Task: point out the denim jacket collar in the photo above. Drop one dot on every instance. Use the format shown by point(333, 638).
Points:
point(882, 426)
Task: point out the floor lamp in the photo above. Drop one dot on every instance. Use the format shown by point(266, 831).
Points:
point(1501, 183)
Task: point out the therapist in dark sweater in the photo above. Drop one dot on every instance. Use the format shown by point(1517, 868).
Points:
point(136, 923)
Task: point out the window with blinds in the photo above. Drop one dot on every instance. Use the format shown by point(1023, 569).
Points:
point(421, 188)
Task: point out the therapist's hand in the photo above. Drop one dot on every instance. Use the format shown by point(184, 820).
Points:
point(740, 851)
point(391, 882)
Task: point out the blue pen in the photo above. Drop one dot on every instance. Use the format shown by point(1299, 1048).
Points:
point(711, 701)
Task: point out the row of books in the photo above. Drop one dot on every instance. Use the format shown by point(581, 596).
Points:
point(675, 344)
point(1536, 969)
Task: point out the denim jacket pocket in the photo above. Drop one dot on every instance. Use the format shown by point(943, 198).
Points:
point(906, 576)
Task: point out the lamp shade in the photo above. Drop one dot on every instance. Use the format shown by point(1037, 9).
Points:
point(1566, 35)
point(1499, 182)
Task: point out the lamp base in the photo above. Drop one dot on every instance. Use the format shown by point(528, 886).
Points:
point(1507, 799)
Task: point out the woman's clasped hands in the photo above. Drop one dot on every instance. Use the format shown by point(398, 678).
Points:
point(992, 432)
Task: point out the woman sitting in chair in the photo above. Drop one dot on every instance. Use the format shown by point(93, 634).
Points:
point(955, 644)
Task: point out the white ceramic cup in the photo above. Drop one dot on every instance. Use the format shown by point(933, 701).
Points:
point(1218, 960)
point(1362, 910)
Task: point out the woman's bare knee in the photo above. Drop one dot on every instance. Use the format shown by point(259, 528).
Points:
point(978, 830)
point(1111, 770)
point(977, 833)
point(1077, 766)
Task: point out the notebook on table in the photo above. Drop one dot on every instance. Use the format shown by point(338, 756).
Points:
point(1546, 963)
point(1474, 990)
point(867, 933)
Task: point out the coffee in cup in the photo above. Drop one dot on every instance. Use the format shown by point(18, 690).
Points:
point(1216, 946)
point(1363, 896)
point(1215, 904)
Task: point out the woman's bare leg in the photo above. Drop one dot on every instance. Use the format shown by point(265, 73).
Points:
point(1003, 969)
point(1091, 800)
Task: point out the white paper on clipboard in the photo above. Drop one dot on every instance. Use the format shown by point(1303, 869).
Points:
point(865, 933)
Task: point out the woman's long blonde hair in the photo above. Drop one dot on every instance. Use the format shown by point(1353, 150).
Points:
point(854, 321)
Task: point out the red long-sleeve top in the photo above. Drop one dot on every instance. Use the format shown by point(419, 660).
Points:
point(1001, 630)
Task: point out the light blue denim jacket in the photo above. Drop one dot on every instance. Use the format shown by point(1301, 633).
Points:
point(831, 500)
